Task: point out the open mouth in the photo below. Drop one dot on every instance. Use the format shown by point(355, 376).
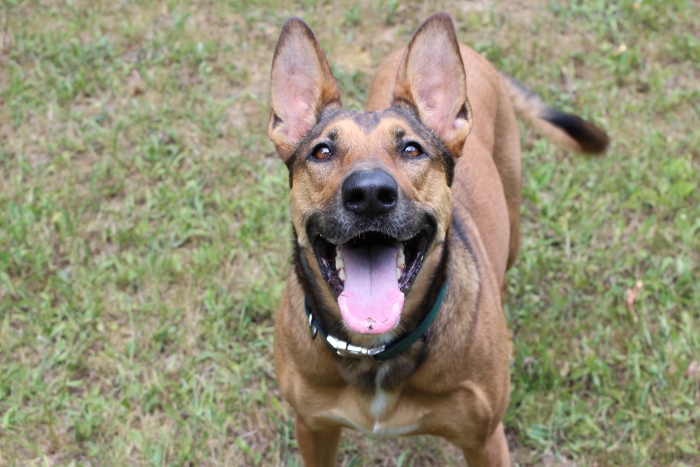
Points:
point(369, 275)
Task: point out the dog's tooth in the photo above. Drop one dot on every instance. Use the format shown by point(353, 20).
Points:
point(341, 275)
point(338, 253)
point(339, 263)
point(400, 262)
point(398, 273)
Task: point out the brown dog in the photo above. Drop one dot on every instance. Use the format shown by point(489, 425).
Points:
point(403, 233)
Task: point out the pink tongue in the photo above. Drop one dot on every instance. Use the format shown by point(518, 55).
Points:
point(371, 301)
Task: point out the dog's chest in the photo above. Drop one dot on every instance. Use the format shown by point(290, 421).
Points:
point(381, 413)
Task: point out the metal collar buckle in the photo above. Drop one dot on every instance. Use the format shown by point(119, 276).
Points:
point(313, 330)
point(342, 348)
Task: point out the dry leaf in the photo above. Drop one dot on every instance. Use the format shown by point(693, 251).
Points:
point(693, 370)
point(134, 83)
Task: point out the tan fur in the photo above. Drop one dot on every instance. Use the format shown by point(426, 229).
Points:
point(459, 387)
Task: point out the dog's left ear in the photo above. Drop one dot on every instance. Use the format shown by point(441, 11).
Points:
point(301, 86)
point(432, 81)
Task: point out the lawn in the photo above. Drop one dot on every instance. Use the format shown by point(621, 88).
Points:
point(144, 230)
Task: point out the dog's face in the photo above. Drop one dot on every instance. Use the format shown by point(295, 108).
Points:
point(370, 194)
point(370, 191)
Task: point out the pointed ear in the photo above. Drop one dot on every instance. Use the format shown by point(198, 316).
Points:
point(431, 80)
point(301, 86)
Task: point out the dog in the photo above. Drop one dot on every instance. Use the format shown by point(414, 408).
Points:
point(405, 220)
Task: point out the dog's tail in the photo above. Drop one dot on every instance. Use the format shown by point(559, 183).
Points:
point(570, 131)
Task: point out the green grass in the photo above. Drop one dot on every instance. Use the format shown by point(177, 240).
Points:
point(144, 230)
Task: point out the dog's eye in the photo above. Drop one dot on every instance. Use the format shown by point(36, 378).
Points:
point(412, 150)
point(321, 152)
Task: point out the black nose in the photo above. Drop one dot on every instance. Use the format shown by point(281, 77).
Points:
point(370, 193)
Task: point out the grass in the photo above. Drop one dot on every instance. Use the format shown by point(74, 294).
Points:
point(144, 230)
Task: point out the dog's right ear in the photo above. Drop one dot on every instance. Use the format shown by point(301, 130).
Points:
point(301, 86)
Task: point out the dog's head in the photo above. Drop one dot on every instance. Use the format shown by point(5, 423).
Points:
point(370, 191)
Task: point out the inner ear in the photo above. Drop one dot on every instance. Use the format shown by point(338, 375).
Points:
point(302, 86)
point(431, 80)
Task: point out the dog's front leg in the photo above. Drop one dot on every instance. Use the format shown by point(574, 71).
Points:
point(319, 448)
point(493, 453)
